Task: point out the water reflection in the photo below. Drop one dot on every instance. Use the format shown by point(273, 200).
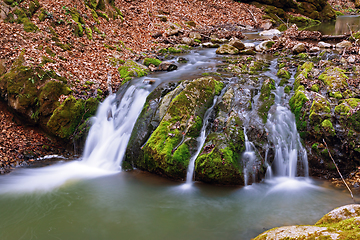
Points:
point(342, 25)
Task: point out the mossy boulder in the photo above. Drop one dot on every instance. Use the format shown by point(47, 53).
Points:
point(132, 69)
point(67, 117)
point(340, 223)
point(302, 73)
point(266, 98)
point(334, 79)
point(298, 105)
point(153, 61)
point(227, 49)
point(34, 95)
point(170, 146)
point(320, 110)
point(283, 73)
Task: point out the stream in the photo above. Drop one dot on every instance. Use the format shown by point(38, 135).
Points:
point(91, 198)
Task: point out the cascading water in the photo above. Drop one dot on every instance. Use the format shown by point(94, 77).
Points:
point(108, 137)
point(282, 133)
point(200, 143)
point(250, 160)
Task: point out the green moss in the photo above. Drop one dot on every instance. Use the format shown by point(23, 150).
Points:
point(63, 46)
point(283, 73)
point(69, 115)
point(50, 52)
point(287, 89)
point(302, 73)
point(103, 15)
point(218, 166)
point(154, 61)
point(167, 150)
point(336, 95)
point(282, 27)
point(49, 96)
point(33, 7)
point(345, 106)
point(315, 88)
point(88, 33)
point(334, 78)
point(296, 104)
point(320, 109)
point(46, 60)
point(302, 56)
point(173, 50)
point(267, 98)
point(79, 30)
point(328, 127)
point(132, 69)
point(23, 19)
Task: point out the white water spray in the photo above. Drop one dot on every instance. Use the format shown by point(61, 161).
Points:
point(250, 161)
point(109, 135)
point(201, 140)
point(283, 134)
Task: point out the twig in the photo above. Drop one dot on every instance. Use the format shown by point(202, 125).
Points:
point(252, 15)
point(282, 21)
point(352, 196)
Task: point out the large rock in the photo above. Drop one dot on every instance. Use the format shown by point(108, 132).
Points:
point(340, 223)
point(237, 43)
point(179, 119)
point(187, 41)
point(265, 45)
point(299, 48)
point(167, 66)
point(227, 49)
point(344, 44)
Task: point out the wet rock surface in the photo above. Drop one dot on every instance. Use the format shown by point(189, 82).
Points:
point(340, 223)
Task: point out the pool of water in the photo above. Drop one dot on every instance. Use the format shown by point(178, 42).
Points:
point(342, 25)
point(139, 205)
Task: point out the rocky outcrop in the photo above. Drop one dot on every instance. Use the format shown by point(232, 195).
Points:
point(176, 122)
point(43, 97)
point(314, 9)
point(340, 223)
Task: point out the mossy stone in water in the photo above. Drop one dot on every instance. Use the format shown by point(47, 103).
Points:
point(167, 151)
point(283, 73)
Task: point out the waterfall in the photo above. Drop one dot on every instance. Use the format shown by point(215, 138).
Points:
point(250, 160)
point(200, 143)
point(111, 130)
point(283, 134)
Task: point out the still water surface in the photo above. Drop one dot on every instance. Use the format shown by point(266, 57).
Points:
point(138, 205)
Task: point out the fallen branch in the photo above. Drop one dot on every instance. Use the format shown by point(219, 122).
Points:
point(352, 196)
point(252, 15)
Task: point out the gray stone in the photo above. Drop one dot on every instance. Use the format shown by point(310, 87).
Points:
point(324, 45)
point(271, 32)
point(237, 43)
point(195, 35)
point(210, 45)
point(314, 49)
point(167, 66)
point(299, 48)
point(227, 49)
point(344, 44)
point(187, 41)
